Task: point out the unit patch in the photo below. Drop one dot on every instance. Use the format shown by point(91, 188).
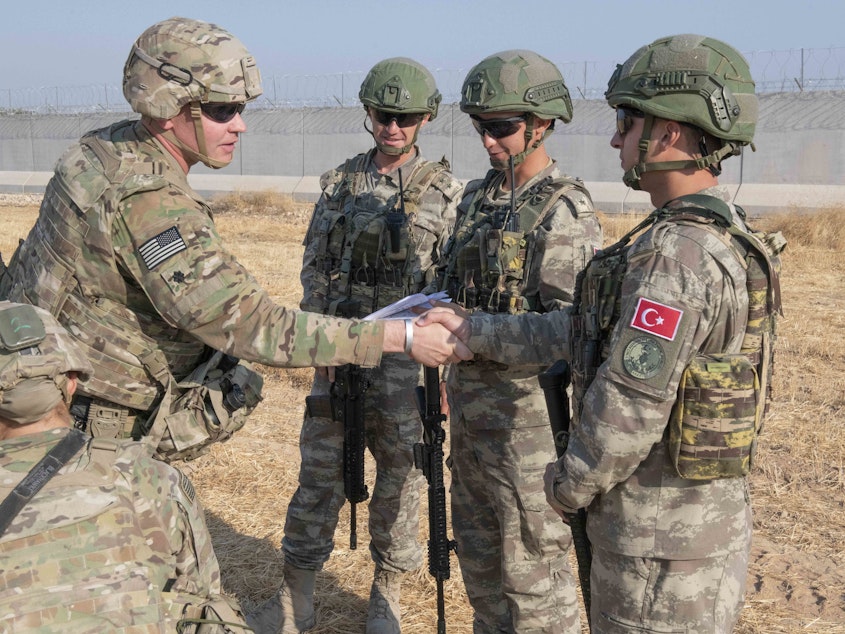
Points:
point(657, 319)
point(643, 357)
point(166, 244)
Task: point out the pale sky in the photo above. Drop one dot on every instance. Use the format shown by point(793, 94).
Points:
point(82, 42)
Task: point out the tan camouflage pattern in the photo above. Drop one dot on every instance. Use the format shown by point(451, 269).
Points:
point(179, 61)
point(511, 546)
point(392, 420)
point(617, 463)
point(95, 548)
point(121, 312)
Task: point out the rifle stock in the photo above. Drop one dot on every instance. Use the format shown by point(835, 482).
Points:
point(554, 382)
point(428, 457)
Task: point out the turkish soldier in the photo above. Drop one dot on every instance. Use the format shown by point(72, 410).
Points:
point(375, 236)
point(126, 255)
point(95, 536)
point(670, 340)
point(524, 232)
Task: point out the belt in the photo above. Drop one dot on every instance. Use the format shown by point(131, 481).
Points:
point(102, 418)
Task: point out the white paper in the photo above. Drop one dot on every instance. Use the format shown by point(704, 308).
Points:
point(402, 308)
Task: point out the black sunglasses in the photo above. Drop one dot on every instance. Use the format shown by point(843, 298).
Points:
point(222, 112)
point(625, 119)
point(403, 120)
point(497, 128)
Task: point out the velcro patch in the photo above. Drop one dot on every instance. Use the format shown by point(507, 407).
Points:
point(163, 246)
point(657, 319)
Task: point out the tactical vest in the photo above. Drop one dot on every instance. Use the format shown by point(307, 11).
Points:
point(68, 265)
point(722, 398)
point(489, 256)
point(365, 257)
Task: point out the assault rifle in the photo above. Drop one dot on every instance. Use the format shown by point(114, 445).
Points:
point(428, 457)
point(347, 394)
point(554, 382)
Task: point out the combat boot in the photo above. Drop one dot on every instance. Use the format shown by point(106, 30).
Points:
point(383, 612)
point(291, 610)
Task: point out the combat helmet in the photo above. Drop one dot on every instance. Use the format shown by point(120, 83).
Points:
point(517, 81)
point(691, 79)
point(36, 355)
point(182, 61)
point(400, 85)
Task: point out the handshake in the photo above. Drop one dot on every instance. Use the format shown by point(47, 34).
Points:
point(437, 337)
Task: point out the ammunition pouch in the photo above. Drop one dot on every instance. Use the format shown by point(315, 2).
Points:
point(715, 422)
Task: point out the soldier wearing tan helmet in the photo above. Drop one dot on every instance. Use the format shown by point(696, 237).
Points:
point(524, 232)
point(375, 236)
point(670, 342)
point(126, 255)
point(95, 536)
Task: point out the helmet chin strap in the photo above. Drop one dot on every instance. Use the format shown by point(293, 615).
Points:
point(710, 161)
point(201, 153)
point(516, 159)
point(388, 149)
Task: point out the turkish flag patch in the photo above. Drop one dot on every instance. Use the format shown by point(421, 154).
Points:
point(657, 319)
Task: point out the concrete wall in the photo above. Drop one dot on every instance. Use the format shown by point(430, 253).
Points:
point(800, 158)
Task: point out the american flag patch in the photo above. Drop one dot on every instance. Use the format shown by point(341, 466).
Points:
point(156, 250)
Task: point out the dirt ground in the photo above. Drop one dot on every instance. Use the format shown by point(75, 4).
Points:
point(796, 578)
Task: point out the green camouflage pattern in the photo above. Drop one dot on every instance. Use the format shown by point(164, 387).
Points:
point(96, 547)
point(392, 420)
point(512, 547)
point(179, 61)
point(692, 79)
point(33, 371)
point(133, 321)
point(400, 84)
point(517, 81)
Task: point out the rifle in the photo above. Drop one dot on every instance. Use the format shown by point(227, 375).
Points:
point(428, 457)
point(347, 395)
point(554, 382)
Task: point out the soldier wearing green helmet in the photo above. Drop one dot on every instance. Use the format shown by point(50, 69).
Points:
point(375, 236)
point(524, 232)
point(127, 256)
point(87, 523)
point(670, 342)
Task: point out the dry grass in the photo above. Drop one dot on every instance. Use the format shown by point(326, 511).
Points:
point(796, 583)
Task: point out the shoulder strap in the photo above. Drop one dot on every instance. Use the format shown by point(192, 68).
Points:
point(39, 475)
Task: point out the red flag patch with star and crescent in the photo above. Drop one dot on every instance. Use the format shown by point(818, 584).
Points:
point(657, 319)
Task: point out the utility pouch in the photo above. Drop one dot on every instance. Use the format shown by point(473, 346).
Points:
point(714, 425)
point(213, 403)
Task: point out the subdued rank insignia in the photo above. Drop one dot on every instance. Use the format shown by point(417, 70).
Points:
point(187, 487)
point(166, 244)
point(643, 357)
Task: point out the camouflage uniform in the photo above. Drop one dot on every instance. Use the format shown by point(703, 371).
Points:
point(115, 542)
point(511, 546)
point(126, 254)
point(356, 192)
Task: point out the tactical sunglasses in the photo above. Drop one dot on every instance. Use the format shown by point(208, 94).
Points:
point(497, 128)
point(403, 120)
point(625, 119)
point(222, 112)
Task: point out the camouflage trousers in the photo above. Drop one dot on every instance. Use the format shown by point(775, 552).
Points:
point(512, 547)
point(392, 423)
point(636, 594)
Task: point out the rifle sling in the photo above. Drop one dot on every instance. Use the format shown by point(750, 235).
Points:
point(39, 475)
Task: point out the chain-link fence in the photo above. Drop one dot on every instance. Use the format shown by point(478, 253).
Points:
point(792, 70)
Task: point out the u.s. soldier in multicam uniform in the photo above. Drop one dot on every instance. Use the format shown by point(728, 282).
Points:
point(114, 541)
point(375, 236)
point(524, 232)
point(126, 255)
point(670, 342)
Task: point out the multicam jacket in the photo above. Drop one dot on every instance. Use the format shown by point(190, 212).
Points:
point(683, 294)
point(127, 256)
point(114, 542)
